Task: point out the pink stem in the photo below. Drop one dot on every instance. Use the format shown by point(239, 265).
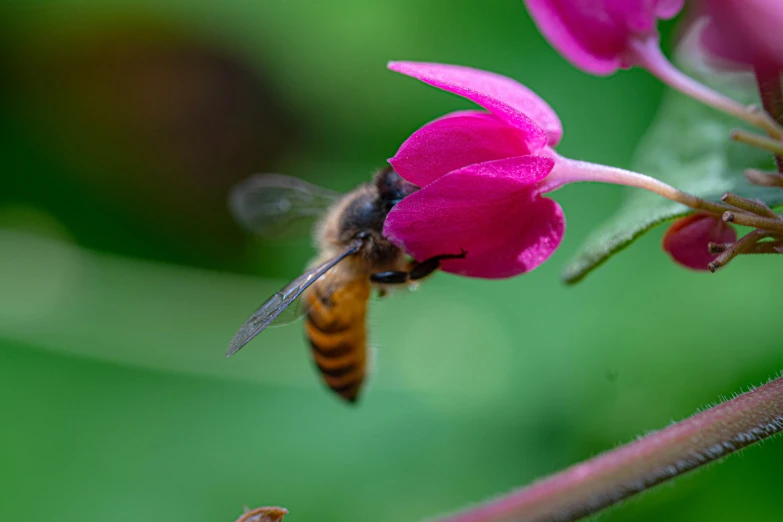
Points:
point(570, 171)
point(647, 53)
point(591, 486)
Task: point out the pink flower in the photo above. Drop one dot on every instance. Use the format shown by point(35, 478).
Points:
point(480, 177)
point(483, 175)
point(688, 238)
point(745, 31)
point(601, 36)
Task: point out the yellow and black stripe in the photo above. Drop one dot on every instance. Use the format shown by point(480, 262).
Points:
point(336, 328)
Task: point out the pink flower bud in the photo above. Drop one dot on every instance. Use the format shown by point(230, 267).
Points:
point(688, 238)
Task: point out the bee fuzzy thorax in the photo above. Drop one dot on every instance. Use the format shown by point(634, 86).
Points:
point(361, 214)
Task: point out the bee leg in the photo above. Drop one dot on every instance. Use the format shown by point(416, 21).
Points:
point(428, 266)
point(393, 277)
point(417, 270)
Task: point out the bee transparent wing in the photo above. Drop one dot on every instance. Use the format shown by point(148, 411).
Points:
point(275, 305)
point(293, 313)
point(275, 206)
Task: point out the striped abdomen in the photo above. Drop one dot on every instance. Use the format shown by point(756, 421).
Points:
point(337, 332)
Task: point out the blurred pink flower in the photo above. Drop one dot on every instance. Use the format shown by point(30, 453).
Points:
point(688, 238)
point(744, 31)
point(601, 36)
point(479, 177)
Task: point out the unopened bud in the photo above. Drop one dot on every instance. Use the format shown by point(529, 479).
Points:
point(688, 239)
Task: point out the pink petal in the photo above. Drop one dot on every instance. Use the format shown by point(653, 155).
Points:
point(505, 98)
point(594, 34)
point(744, 31)
point(688, 238)
point(667, 9)
point(455, 141)
point(490, 210)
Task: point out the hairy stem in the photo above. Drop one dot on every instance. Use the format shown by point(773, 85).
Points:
point(767, 247)
point(740, 247)
point(647, 53)
point(752, 220)
point(768, 79)
point(764, 179)
point(570, 171)
point(755, 140)
point(754, 207)
point(593, 485)
point(763, 247)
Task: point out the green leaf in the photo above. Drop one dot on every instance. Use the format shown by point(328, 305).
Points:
point(688, 147)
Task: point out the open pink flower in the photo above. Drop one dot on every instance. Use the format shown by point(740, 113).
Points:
point(599, 36)
point(688, 238)
point(744, 31)
point(479, 176)
point(483, 175)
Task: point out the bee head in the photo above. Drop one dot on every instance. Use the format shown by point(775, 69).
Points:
point(392, 187)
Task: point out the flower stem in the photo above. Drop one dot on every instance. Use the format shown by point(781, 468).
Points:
point(740, 247)
point(771, 92)
point(751, 220)
point(764, 179)
point(647, 53)
point(767, 247)
point(593, 485)
point(758, 141)
point(754, 207)
point(569, 171)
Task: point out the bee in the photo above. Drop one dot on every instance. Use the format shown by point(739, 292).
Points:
point(355, 259)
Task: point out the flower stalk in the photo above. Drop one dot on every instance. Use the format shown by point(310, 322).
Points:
point(570, 171)
point(764, 179)
point(755, 207)
point(647, 53)
point(760, 142)
point(767, 247)
point(771, 92)
point(742, 246)
point(762, 247)
point(755, 221)
point(589, 487)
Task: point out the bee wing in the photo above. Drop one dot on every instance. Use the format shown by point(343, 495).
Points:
point(291, 314)
point(275, 305)
point(274, 205)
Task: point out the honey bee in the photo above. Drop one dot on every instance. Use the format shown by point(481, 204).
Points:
point(354, 259)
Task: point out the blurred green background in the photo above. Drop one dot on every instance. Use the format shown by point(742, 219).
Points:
point(122, 278)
